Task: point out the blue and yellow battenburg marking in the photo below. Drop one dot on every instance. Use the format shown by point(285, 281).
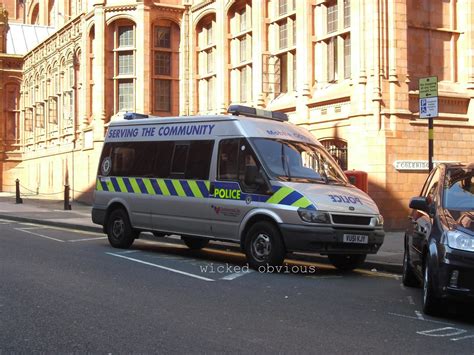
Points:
point(282, 195)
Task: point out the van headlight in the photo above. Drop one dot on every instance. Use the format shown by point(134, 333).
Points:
point(461, 241)
point(313, 216)
point(379, 221)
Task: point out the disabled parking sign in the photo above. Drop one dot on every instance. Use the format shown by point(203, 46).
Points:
point(428, 88)
point(429, 107)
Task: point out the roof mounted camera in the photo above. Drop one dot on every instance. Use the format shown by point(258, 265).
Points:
point(238, 110)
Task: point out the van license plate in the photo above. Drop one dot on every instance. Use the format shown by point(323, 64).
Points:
point(356, 238)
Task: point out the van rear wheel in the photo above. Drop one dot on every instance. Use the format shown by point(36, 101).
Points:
point(346, 262)
point(264, 245)
point(119, 230)
point(195, 243)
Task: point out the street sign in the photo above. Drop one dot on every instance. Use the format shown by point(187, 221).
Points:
point(428, 100)
point(428, 87)
point(429, 107)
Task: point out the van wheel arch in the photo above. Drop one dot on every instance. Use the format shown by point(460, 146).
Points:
point(251, 222)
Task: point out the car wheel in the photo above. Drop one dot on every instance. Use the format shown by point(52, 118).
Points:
point(119, 230)
point(408, 276)
point(195, 243)
point(264, 245)
point(346, 262)
point(431, 303)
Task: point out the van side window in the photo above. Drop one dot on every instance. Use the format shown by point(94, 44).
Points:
point(199, 160)
point(237, 162)
point(180, 156)
point(228, 163)
point(163, 155)
point(132, 159)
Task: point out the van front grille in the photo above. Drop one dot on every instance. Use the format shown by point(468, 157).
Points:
point(354, 220)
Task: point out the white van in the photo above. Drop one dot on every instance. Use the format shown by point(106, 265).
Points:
point(249, 177)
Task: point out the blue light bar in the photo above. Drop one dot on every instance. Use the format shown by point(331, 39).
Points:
point(238, 110)
point(134, 116)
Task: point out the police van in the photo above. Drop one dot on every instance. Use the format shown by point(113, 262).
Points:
point(249, 177)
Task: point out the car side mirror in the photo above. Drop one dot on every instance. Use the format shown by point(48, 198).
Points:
point(420, 203)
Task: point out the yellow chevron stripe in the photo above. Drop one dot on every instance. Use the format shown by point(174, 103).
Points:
point(163, 187)
point(148, 186)
point(195, 189)
point(179, 189)
point(99, 186)
point(280, 195)
point(303, 202)
point(121, 185)
point(134, 185)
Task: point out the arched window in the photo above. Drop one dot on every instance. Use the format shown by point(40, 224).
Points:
point(90, 74)
point(51, 13)
point(165, 51)
point(338, 149)
point(34, 20)
point(13, 112)
point(205, 65)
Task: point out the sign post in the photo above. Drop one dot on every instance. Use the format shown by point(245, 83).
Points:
point(428, 88)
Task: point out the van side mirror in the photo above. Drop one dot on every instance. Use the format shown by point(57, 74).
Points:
point(420, 203)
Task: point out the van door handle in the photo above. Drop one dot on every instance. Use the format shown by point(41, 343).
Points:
point(211, 189)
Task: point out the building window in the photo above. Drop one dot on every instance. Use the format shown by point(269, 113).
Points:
point(283, 35)
point(125, 68)
point(278, 74)
point(125, 95)
point(338, 149)
point(162, 63)
point(332, 17)
point(243, 49)
point(162, 37)
point(282, 7)
point(39, 117)
point(347, 57)
point(205, 52)
point(332, 43)
point(347, 13)
point(240, 52)
point(125, 36)
point(125, 63)
point(162, 95)
point(53, 110)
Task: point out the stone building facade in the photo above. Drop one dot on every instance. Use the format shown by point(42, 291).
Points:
point(346, 70)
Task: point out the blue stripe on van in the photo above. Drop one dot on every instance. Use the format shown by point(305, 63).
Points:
point(171, 189)
point(203, 188)
point(186, 188)
point(291, 198)
point(154, 184)
point(126, 181)
point(104, 185)
point(115, 183)
point(142, 186)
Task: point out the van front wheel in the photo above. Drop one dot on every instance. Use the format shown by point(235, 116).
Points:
point(264, 246)
point(119, 230)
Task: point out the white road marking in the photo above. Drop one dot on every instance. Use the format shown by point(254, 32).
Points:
point(161, 267)
point(416, 318)
point(128, 252)
point(86, 239)
point(462, 338)
point(410, 300)
point(235, 275)
point(419, 315)
point(39, 235)
point(37, 227)
point(442, 332)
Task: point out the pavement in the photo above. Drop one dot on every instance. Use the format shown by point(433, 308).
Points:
point(52, 213)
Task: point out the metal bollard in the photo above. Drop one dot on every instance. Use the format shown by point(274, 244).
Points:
point(67, 205)
point(17, 192)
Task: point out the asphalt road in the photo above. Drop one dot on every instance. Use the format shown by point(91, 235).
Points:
point(69, 291)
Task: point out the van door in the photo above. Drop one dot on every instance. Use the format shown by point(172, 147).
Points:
point(182, 170)
point(237, 179)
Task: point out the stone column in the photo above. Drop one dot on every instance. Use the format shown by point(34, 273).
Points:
point(304, 59)
point(142, 58)
point(99, 71)
point(259, 46)
point(222, 81)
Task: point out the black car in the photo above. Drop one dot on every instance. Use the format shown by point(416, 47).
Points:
point(439, 243)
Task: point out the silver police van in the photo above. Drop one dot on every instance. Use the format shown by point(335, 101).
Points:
point(249, 177)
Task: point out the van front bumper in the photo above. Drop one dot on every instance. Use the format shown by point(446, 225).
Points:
point(329, 240)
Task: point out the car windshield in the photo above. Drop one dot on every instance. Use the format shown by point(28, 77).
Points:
point(297, 161)
point(459, 189)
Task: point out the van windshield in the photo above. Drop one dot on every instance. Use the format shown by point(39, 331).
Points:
point(297, 161)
